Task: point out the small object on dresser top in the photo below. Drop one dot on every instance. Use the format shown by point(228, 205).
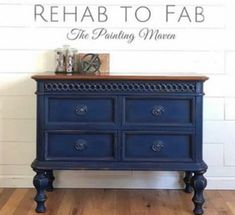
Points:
point(65, 59)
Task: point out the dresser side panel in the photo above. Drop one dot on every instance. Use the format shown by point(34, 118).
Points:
point(40, 120)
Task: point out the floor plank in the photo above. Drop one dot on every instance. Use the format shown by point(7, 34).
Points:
point(114, 202)
point(26, 203)
point(5, 195)
point(13, 202)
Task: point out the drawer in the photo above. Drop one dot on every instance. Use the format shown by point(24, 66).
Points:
point(162, 111)
point(80, 110)
point(153, 146)
point(80, 145)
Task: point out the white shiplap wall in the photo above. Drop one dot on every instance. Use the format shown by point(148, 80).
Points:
point(27, 47)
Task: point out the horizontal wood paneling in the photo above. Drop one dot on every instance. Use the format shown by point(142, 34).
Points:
point(169, 61)
point(17, 107)
point(220, 86)
point(17, 84)
point(132, 62)
point(51, 38)
point(21, 153)
point(16, 169)
point(17, 130)
point(230, 109)
point(217, 157)
point(37, 61)
point(213, 108)
point(27, 48)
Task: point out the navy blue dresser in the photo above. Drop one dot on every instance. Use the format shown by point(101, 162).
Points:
point(105, 122)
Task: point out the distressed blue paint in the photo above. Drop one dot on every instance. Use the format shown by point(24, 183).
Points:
point(61, 145)
point(117, 125)
point(138, 146)
point(96, 109)
point(175, 111)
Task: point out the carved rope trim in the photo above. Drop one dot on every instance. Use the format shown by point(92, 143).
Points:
point(119, 87)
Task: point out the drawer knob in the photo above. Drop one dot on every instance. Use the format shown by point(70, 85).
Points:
point(158, 110)
point(81, 109)
point(80, 145)
point(157, 146)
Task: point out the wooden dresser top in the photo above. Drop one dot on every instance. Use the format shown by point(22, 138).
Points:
point(162, 77)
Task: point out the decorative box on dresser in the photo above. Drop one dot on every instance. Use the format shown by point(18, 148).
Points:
point(108, 122)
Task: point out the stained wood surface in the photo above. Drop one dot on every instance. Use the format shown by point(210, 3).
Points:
point(162, 77)
point(115, 202)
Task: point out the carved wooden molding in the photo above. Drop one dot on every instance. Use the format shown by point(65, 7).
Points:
point(120, 87)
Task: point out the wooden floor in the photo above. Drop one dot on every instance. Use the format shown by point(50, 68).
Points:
point(115, 202)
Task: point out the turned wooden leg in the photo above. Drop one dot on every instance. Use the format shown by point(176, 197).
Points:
point(187, 180)
point(51, 178)
point(198, 183)
point(40, 182)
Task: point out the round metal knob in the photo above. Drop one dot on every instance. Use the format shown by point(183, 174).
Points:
point(158, 110)
point(80, 145)
point(157, 146)
point(81, 109)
